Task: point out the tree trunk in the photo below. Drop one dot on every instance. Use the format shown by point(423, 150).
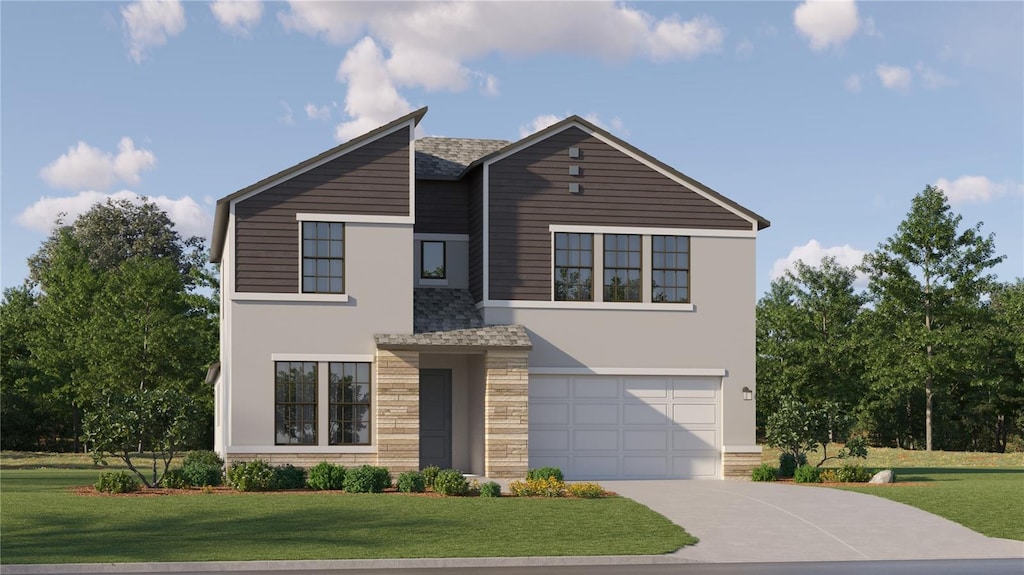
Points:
point(928, 408)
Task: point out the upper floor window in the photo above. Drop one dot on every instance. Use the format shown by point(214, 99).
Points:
point(295, 402)
point(323, 257)
point(574, 266)
point(432, 260)
point(349, 393)
point(622, 267)
point(670, 269)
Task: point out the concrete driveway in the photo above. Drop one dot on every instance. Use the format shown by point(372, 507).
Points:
point(754, 522)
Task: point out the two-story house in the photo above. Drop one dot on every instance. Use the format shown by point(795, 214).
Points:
point(492, 306)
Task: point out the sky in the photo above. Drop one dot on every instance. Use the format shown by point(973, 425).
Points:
point(824, 117)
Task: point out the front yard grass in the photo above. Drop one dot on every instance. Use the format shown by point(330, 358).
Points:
point(42, 519)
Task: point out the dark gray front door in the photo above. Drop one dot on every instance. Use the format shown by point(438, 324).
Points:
point(436, 418)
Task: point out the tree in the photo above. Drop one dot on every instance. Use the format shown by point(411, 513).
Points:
point(796, 428)
point(926, 284)
point(161, 422)
point(806, 339)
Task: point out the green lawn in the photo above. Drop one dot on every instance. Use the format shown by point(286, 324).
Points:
point(43, 520)
point(989, 501)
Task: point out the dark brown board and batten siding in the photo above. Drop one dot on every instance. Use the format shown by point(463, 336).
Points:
point(370, 180)
point(529, 191)
point(441, 207)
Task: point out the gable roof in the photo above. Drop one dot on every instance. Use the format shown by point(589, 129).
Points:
point(447, 158)
point(557, 127)
point(220, 218)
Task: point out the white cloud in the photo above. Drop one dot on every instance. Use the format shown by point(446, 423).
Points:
point(894, 77)
point(287, 118)
point(85, 167)
point(542, 121)
point(237, 16)
point(744, 49)
point(852, 83)
point(430, 45)
point(975, 189)
point(189, 218)
point(826, 22)
point(151, 23)
point(931, 79)
point(813, 252)
point(314, 112)
point(870, 29)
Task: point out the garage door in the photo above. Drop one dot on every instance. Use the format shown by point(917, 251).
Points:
point(626, 427)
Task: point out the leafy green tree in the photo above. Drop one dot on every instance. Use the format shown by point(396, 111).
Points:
point(799, 429)
point(926, 285)
point(153, 424)
point(806, 339)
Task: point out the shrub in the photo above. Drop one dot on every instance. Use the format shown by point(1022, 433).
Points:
point(367, 479)
point(585, 490)
point(289, 477)
point(202, 468)
point(550, 487)
point(429, 473)
point(830, 476)
point(490, 489)
point(788, 463)
point(450, 482)
point(852, 473)
point(174, 479)
point(255, 475)
point(411, 482)
point(764, 472)
point(807, 474)
point(544, 473)
point(326, 476)
point(117, 482)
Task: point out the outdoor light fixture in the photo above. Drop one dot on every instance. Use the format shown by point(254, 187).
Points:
point(747, 394)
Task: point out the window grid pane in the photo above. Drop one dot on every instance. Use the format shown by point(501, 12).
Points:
point(323, 257)
point(622, 267)
point(295, 384)
point(574, 266)
point(670, 272)
point(349, 392)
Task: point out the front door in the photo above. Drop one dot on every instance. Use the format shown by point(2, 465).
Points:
point(436, 418)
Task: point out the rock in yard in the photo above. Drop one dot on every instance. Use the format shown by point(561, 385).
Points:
point(884, 476)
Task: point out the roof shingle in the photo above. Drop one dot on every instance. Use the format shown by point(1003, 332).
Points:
point(448, 318)
point(448, 157)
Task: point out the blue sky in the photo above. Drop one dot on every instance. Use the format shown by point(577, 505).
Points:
point(824, 117)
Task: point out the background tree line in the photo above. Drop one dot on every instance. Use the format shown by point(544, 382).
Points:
point(117, 306)
point(930, 356)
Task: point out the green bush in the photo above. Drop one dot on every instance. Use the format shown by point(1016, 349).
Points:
point(788, 463)
point(490, 489)
point(544, 473)
point(289, 477)
point(764, 472)
point(202, 468)
point(367, 479)
point(117, 482)
point(807, 474)
point(326, 476)
point(429, 473)
point(411, 482)
point(852, 473)
point(450, 482)
point(255, 475)
point(174, 479)
point(585, 490)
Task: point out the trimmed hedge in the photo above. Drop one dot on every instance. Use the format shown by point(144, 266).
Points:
point(326, 476)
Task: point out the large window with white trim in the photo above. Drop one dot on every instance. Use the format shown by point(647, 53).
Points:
point(323, 257)
point(295, 407)
point(349, 401)
point(670, 269)
point(574, 266)
point(622, 267)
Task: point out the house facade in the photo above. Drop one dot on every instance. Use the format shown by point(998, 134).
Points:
point(492, 306)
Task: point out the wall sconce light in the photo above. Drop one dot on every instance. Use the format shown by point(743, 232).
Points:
point(747, 394)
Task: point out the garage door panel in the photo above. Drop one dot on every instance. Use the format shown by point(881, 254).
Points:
point(613, 427)
point(595, 414)
point(551, 413)
point(683, 413)
point(542, 440)
point(644, 414)
point(595, 440)
point(634, 440)
point(694, 439)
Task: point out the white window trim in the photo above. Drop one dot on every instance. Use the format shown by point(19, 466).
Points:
point(323, 357)
point(284, 297)
point(352, 218)
point(595, 305)
point(256, 449)
point(625, 371)
point(652, 231)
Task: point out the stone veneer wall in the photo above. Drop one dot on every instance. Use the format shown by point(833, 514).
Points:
point(398, 410)
point(739, 465)
point(506, 419)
